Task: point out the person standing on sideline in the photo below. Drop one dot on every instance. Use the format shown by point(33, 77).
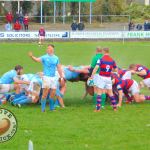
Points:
point(41, 36)
point(26, 22)
point(104, 83)
point(9, 17)
point(50, 63)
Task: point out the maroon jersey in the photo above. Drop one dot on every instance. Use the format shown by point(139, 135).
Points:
point(122, 84)
point(41, 32)
point(140, 68)
point(126, 84)
point(106, 64)
point(26, 21)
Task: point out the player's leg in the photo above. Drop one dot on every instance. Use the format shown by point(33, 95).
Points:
point(100, 84)
point(43, 99)
point(112, 98)
point(103, 98)
point(108, 87)
point(53, 87)
point(51, 99)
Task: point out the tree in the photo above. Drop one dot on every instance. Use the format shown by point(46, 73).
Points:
point(26, 7)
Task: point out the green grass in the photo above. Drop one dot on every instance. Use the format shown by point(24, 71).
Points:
point(77, 127)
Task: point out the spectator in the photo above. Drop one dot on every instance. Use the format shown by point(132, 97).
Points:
point(9, 17)
point(81, 26)
point(21, 20)
point(131, 26)
point(146, 25)
point(16, 17)
point(74, 26)
point(41, 36)
point(17, 26)
point(26, 22)
point(8, 27)
point(139, 27)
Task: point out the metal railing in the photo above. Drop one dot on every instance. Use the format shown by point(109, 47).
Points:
point(84, 18)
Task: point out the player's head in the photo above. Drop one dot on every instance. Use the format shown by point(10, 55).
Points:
point(132, 67)
point(98, 50)
point(50, 49)
point(106, 50)
point(19, 69)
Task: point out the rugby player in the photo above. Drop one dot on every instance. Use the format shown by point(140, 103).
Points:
point(50, 63)
point(128, 86)
point(103, 81)
point(9, 80)
point(95, 58)
point(142, 72)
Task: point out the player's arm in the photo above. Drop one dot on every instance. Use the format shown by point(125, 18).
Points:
point(17, 81)
point(120, 92)
point(33, 57)
point(94, 70)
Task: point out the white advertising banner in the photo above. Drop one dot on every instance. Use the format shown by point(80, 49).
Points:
point(33, 35)
point(136, 34)
point(110, 34)
point(78, 35)
point(96, 34)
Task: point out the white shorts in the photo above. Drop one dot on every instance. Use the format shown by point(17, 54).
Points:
point(127, 75)
point(41, 37)
point(147, 82)
point(103, 82)
point(95, 78)
point(49, 82)
point(134, 89)
point(4, 88)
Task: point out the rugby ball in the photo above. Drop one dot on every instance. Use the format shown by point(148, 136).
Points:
point(90, 82)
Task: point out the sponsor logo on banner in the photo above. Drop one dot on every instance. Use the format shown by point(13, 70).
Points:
point(33, 35)
point(1, 34)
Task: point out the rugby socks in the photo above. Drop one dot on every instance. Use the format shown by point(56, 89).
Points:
point(103, 99)
point(113, 102)
point(43, 104)
point(147, 98)
point(57, 104)
point(51, 104)
point(98, 105)
point(95, 98)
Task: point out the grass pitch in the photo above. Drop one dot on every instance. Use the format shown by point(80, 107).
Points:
point(77, 127)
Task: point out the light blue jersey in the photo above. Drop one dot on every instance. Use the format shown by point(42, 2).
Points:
point(8, 77)
point(71, 74)
point(50, 63)
point(27, 77)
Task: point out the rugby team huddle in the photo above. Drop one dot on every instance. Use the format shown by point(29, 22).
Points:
point(103, 79)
